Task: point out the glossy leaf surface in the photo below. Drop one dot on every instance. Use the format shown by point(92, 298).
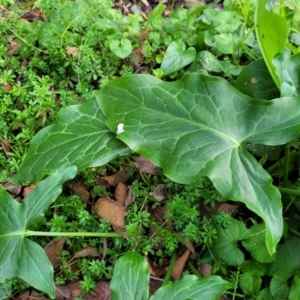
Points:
point(20, 256)
point(271, 32)
point(193, 288)
point(79, 137)
point(130, 280)
point(196, 127)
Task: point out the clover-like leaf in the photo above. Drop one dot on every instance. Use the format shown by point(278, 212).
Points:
point(196, 127)
point(225, 247)
point(79, 137)
point(177, 57)
point(19, 256)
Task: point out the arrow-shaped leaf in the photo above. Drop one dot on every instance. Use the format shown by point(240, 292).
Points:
point(80, 137)
point(196, 127)
point(19, 256)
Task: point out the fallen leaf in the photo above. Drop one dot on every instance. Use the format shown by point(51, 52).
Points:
point(155, 270)
point(7, 87)
point(111, 210)
point(88, 251)
point(5, 147)
point(154, 285)
point(228, 208)
point(179, 264)
point(53, 251)
point(204, 269)
point(12, 46)
point(158, 193)
point(62, 292)
point(129, 198)
point(32, 15)
point(101, 292)
point(80, 190)
point(145, 166)
point(121, 193)
point(189, 244)
point(74, 287)
point(72, 51)
point(32, 296)
point(13, 188)
point(28, 189)
point(111, 180)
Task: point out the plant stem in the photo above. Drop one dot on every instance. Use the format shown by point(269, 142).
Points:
point(286, 166)
point(170, 269)
point(280, 162)
point(71, 234)
point(289, 191)
point(195, 272)
point(294, 231)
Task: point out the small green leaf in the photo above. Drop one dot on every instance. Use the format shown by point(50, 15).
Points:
point(177, 57)
point(295, 289)
point(287, 261)
point(19, 256)
point(253, 267)
point(287, 70)
point(130, 280)
point(193, 288)
point(255, 81)
point(197, 127)
point(121, 48)
point(271, 32)
point(250, 284)
point(256, 244)
point(79, 137)
point(279, 289)
point(225, 247)
point(265, 295)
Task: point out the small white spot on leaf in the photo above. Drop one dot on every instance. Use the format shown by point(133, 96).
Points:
point(120, 128)
point(253, 80)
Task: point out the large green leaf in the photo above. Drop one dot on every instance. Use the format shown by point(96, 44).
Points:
point(271, 32)
point(130, 280)
point(19, 256)
point(193, 288)
point(80, 137)
point(196, 127)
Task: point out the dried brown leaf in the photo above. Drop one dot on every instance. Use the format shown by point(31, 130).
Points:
point(88, 251)
point(12, 46)
point(179, 264)
point(111, 210)
point(154, 269)
point(204, 269)
point(101, 292)
point(6, 87)
point(145, 166)
point(28, 189)
point(80, 190)
point(189, 244)
point(13, 188)
point(121, 193)
point(62, 292)
point(72, 51)
point(33, 295)
point(111, 180)
point(74, 287)
point(53, 251)
point(228, 208)
point(158, 193)
point(5, 147)
point(129, 198)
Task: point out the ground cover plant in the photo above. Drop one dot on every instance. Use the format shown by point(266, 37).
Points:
point(215, 192)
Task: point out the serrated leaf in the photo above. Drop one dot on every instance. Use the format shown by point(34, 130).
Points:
point(130, 279)
point(225, 247)
point(193, 288)
point(271, 32)
point(196, 127)
point(79, 137)
point(19, 256)
point(256, 244)
point(286, 260)
point(255, 81)
point(177, 57)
